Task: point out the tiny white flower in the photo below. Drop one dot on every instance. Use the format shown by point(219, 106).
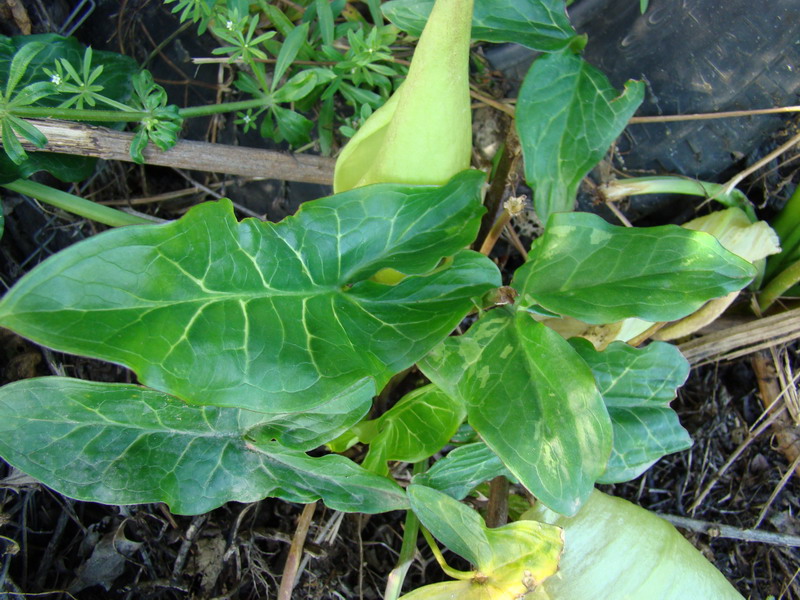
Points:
point(246, 119)
point(229, 25)
point(55, 79)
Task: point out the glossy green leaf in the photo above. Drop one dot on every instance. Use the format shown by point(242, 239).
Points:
point(275, 318)
point(417, 427)
point(583, 267)
point(637, 385)
point(568, 114)
point(538, 24)
point(310, 429)
point(462, 470)
point(115, 79)
point(533, 401)
point(66, 167)
point(510, 561)
point(123, 444)
point(615, 550)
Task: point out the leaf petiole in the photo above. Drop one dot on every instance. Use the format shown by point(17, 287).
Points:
point(785, 280)
point(789, 217)
point(394, 582)
point(75, 204)
point(622, 188)
point(437, 554)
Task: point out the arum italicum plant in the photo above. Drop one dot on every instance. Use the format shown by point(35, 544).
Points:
point(423, 134)
point(255, 343)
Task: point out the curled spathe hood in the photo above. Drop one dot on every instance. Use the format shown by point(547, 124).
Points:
point(423, 134)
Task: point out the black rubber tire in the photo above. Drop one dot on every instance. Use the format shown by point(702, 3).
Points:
point(695, 56)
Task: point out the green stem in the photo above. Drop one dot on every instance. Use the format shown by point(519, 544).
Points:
point(394, 583)
point(165, 42)
point(214, 109)
point(78, 114)
point(790, 245)
point(495, 232)
point(778, 285)
point(119, 116)
point(622, 188)
point(75, 204)
point(789, 217)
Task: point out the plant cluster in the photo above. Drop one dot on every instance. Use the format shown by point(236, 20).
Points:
point(315, 63)
point(257, 343)
point(333, 53)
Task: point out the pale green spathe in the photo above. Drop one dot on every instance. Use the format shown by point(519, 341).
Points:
point(423, 134)
point(615, 550)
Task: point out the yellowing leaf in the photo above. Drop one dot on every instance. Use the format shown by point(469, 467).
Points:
point(732, 228)
point(510, 561)
point(466, 590)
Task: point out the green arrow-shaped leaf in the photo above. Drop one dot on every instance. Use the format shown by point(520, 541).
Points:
point(568, 114)
point(276, 318)
point(123, 444)
point(417, 427)
point(538, 24)
point(637, 385)
point(310, 429)
point(533, 401)
point(599, 273)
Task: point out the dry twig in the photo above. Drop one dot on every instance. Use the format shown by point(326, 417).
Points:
point(296, 552)
point(771, 388)
point(186, 544)
point(726, 531)
point(781, 484)
point(744, 339)
point(100, 142)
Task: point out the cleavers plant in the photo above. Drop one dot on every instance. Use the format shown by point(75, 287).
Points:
point(323, 62)
point(255, 343)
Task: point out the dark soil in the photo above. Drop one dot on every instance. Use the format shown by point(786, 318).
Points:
point(54, 547)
